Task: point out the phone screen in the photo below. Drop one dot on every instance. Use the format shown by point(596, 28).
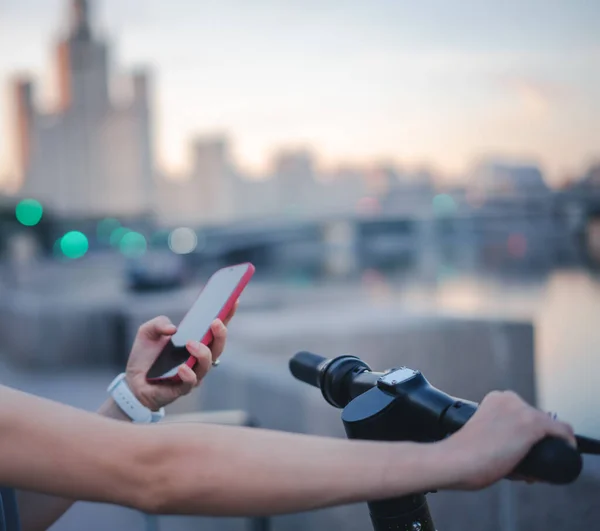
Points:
point(197, 321)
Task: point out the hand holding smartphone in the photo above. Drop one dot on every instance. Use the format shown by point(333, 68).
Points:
point(216, 301)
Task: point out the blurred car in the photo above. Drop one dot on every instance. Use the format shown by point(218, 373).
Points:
point(155, 271)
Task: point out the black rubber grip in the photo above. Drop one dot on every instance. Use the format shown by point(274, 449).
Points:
point(552, 460)
point(304, 366)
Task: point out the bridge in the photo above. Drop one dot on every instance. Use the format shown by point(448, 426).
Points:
point(539, 229)
point(556, 220)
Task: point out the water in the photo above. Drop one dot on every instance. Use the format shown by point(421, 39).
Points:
point(565, 309)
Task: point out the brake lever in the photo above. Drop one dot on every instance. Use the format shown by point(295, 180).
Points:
point(587, 445)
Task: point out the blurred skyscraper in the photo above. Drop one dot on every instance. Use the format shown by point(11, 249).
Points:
point(297, 186)
point(207, 194)
point(494, 178)
point(212, 178)
point(92, 155)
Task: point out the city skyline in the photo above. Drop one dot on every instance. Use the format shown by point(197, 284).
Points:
point(93, 154)
point(434, 88)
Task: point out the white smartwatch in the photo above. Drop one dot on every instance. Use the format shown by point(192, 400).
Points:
point(130, 405)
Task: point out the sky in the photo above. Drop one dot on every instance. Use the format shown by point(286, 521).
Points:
point(432, 82)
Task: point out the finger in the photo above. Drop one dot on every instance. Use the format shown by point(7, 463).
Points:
point(203, 357)
point(157, 327)
point(188, 379)
point(219, 332)
point(231, 313)
point(559, 429)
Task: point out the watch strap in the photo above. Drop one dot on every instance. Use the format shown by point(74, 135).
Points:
point(130, 405)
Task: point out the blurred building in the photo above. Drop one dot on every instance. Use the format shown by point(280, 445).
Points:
point(208, 193)
point(591, 179)
point(497, 179)
point(256, 199)
point(407, 192)
point(211, 180)
point(295, 174)
point(92, 155)
point(342, 192)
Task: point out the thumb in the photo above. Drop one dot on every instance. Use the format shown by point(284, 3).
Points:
point(157, 328)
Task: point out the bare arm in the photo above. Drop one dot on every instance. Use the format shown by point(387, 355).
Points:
point(198, 469)
point(43, 510)
point(218, 470)
point(40, 511)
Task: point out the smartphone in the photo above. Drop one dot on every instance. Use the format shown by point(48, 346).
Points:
point(216, 300)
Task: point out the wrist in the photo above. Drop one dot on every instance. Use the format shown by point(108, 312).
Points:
point(432, 466)
point(125, 399)
point(111, 410)
point(453, 467)
point(144, 400)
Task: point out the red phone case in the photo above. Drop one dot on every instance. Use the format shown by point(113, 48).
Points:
point(207, 339)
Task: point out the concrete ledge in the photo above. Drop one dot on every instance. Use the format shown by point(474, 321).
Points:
point(224, 418)
point(85, 329)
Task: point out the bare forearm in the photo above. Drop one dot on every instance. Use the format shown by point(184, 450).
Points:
point(220, 470)
point(201, 469)
point(39, 511)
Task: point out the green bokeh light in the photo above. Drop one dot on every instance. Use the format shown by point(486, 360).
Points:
point(444, 205)
point(117, 235)
point(74, 244)
point(29, 212)
point(105, 229)
point(133, 244)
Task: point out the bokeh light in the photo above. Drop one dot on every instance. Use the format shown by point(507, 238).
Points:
point(133, 244)
point(444, 205)
point(183, 240)
point(376, 285)
point(367, 206)
point(516, 245)
point(74, 244)
point(476, 198)
point(116, 236)
point(105, 229)
point(29, 212)
point(371, 277)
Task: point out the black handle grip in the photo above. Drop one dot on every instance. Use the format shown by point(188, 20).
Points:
point(552, 460)
point(304, 366)
point(587, 445)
